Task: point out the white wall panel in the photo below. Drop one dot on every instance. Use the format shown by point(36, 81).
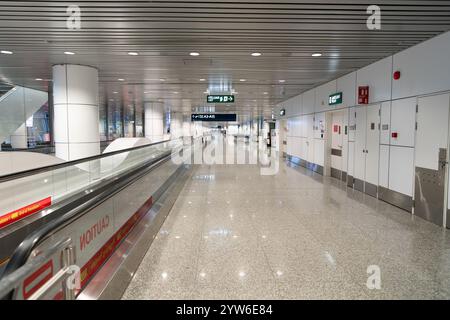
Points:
point(401, 169)
point(360, 144)
point(310, 138)
point(403, 121)
point(308, 101)
point(384, 166)
point(288, 107)
point(297, 101)
point(385, 123)
point(320, 125)
point(425, 68)
point(372, 144)
point(289, 145)
point(319, 151)
point(323, 92)
point(432, 130)
point(351, 158)
point(378, 77)
point(297, 127)
point(295, 151)
point(303, 127)
point(347, 85)
point(351, 124)
point(345, 140)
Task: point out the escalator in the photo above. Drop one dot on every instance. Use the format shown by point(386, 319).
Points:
point(17, 104)
point(112, 208)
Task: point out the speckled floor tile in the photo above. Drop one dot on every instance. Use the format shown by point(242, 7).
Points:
point(235, 234)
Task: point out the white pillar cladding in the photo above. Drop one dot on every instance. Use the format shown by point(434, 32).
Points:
point(154, 121)
point(176, 125)
point(187, 128)
point(76, 118)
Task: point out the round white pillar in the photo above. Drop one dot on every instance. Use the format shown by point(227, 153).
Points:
point(154, 121)
point(176, 125)
point(76, 118)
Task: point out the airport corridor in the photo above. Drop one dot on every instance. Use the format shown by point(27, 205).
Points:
point(236, 234)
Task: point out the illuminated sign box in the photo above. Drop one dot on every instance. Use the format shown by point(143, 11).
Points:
point(335, 99)
point(220, 99)
point(231, 117)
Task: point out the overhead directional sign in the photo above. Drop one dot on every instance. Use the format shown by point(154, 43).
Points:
point(335, 99)
point(213, 117)
point(220, 99)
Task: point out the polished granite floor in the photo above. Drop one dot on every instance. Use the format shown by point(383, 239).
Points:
point(234, 234)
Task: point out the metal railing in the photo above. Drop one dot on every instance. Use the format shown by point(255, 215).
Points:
point(64, 277)
point(26, 173)
point(72, 186)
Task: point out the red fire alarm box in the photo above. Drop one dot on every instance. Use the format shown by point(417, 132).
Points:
point(363, 95)
point(394, 135)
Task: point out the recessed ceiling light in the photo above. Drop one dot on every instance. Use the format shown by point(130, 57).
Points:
point(202, 79)
point(162, 79)
point(265, 93)
point(281, 81)
point(256, 54)
point(242, 80)
point(115, 92)
point(38, 79)
point(175, 92)
point(120, 79)
point(131, 53)
point(317, 54)
point(194, 54)
point(6, 52)
point(69, 52)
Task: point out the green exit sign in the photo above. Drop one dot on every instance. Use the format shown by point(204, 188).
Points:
point(220, 99)
point(335, 99)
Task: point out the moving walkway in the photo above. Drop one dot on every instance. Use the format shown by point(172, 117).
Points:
point(94, 220)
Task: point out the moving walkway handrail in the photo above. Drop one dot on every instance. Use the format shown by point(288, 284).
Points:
point(78, 208)
point(30, 172)
point(10, 283)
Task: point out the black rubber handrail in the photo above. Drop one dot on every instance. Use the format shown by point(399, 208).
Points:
point(76, 210)
point(26, 173)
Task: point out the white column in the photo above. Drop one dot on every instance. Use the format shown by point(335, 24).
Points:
point(76, 118)
point(154, 121)
point(176, 125)
point(187, 130)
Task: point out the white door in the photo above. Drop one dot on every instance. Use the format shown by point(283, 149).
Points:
point(337, 141)
point(372, 149)
point(310, 138)
point(283, 138)
point(351, 119)
point(360, 148)
point(431, 157)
